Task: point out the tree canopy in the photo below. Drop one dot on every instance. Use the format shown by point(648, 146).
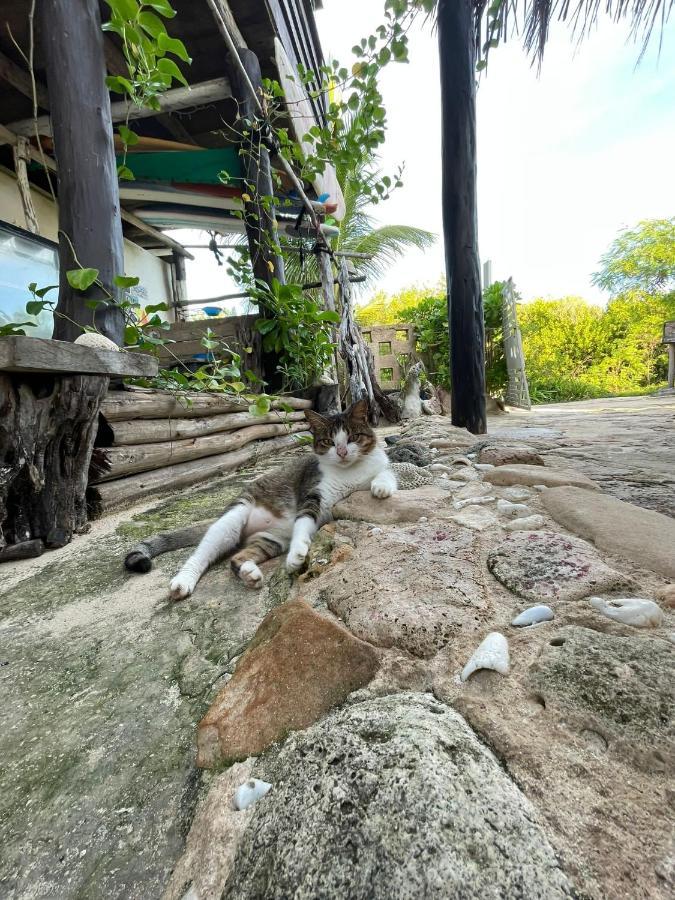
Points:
point(640, 259)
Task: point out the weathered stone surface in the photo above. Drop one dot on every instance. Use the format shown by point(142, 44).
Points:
point(410, 476)
point(414, 588)
point(666, 596)
point(405, 506)
point(625, 685)
point(299, 665)
point(392, 798)
point(642, 535)
point(508, 456)
point(543, 566)
point(508, 475)
point(476, 517)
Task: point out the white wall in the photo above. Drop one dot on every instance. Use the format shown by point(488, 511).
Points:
point(155, 275)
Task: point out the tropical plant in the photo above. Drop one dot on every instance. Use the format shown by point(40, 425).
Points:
point(640, 259)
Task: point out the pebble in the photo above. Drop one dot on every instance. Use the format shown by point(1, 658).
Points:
point(526, 523)
point(512, 510)
point(483, 467)
point(533, 615)
point(374, 531)
point(539, 487)
point(460, 461)
point(423, 519)
point(492, 653)
point(466, 474)
point(516, 494)
point(250, 791)
point(439, 467)
point(630, 611)
point(473, 501)
point(474, 489)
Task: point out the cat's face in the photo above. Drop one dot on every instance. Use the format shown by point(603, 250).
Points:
point(343, 439)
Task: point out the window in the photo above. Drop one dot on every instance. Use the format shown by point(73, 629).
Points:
point(24, 258)
point(385, 347)
point(367, 337)
point(402, 334)
point(386, 375)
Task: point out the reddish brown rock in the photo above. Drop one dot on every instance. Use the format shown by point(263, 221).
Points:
point(298, 666)
point(508, 456)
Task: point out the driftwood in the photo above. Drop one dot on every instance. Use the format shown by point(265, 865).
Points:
point(141, 457)
point(148, 431)
point(124, 491)
point(358, 358)
point(149, 404)
point(47, 429)
point(19, 353)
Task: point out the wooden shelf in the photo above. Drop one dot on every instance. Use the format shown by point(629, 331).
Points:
point(28, 354)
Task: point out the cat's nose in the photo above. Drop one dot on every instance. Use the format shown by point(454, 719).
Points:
point(342, 451)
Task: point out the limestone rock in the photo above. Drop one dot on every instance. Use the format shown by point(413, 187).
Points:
point(476, 517)
point(507, 456)
point(538, 475)
point(406, 506)
point(544, 566)
point(623, 684)
point(393, 797)
point(527, 523)
point(298, 666)
point(413, 589)
point(642, 535)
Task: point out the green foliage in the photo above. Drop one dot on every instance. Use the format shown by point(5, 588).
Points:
point(385, 309)
point(640, 259)
point(430, 318)
point(297, 330)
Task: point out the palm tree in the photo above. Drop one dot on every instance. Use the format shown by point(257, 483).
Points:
point(466, 30)
point(359, 234)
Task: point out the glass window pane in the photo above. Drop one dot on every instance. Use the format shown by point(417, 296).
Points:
point(22, 261)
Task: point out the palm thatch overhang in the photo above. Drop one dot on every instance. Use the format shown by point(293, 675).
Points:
point(202, 117)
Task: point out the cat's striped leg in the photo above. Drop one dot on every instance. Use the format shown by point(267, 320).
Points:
point(257, 549)
point(222, 537)
point(304, 529)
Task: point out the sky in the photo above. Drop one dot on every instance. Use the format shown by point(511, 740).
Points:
point(566, 157)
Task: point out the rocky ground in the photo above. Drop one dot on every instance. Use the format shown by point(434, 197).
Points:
point(547, 775)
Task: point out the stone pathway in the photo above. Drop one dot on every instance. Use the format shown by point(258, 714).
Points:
point(548, 781)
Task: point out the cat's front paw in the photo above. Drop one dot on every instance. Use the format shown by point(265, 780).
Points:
point(182, 586)
point(382, 487)
point(297, 556)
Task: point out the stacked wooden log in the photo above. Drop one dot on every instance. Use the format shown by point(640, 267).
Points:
point(156, 441)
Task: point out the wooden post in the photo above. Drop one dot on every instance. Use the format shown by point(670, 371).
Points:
point(90, 229)
point(671, 365)
point(457, 50)
point(328, 396)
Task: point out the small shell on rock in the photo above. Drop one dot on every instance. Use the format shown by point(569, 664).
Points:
point(492, 653)
point(630, 611)
point(512, 510)
point(423, 519)
point(533, 615)
point(250, 791)
point(527, 523)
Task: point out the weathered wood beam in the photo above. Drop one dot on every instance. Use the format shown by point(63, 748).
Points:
point(149, 431)
point(21, 81)
point(90, 228)
point(140, 404)
point(21, 152)
point(170, 101)
point(223, 7)
point(20, 353)
point(457, 51)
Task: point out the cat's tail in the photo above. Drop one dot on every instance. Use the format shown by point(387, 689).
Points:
point(140, 557)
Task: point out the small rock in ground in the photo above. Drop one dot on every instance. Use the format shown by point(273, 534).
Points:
point(473, 501)
point(545, 565)
point(527, 523)
point(473, 489)
point(395, 797)
point(465, 474)
point(666, 596)
point(536, 475)
point(516, 494)
point(506, 456)
point(644, 536)
point(298, 666)
point(630, 611)
point(512, 510)
point(476, 517)
point(405, 506)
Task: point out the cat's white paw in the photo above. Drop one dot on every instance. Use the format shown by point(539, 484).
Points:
point(251, 575)
point(297, 556)
point(382, 488)
point(182, 586)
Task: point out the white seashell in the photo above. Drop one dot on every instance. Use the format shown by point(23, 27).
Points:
point(250, 791)
point(374, 531)
point(512, 510)
point(96, 341)
point(630, 611)
point(533, 615)
point(527, 523)
point(438, 467)
point(492, 653)
point(423, 519)
point(473, 501)
point(483, 467)
point(460, 461)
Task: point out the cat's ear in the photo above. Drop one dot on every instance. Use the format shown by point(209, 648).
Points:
point(316, 422)
point(358, 412)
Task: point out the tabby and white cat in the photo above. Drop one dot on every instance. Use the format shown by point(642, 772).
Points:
point(283, 510)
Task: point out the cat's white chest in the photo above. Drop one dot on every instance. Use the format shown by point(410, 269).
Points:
point(336, 483)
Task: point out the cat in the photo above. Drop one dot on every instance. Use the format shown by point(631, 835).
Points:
point(281, 511)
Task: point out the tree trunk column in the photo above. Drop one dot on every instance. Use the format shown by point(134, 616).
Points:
point(89, 205)
point(457, 51)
